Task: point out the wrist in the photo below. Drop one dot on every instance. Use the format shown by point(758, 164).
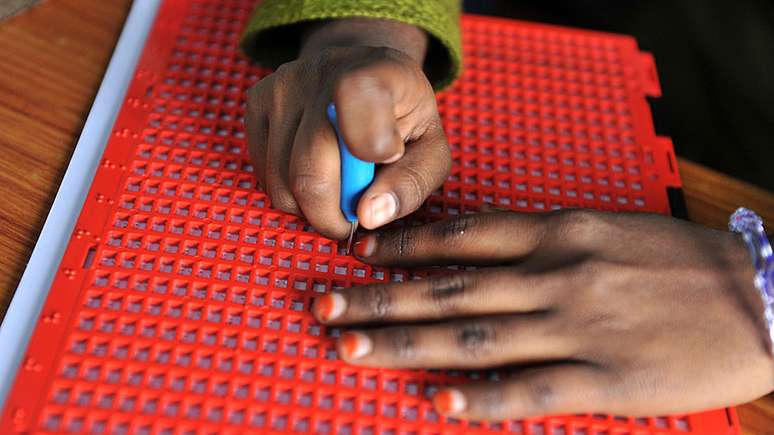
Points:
point(747, 228)
point(368, 32)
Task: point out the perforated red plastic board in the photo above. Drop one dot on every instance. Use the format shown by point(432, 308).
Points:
point(181, 304)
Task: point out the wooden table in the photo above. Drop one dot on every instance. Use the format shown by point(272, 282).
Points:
point(53, 59)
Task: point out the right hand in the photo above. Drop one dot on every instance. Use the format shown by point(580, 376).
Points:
point(383, 101)
point(589, 312)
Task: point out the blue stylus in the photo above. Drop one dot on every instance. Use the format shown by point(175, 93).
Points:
point(356, 176)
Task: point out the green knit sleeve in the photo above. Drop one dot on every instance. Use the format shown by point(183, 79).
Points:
point(273, 36)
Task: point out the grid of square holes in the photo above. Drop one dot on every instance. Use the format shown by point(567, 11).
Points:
point(194, 315)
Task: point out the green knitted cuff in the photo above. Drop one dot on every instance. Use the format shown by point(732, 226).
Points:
point(273, 35)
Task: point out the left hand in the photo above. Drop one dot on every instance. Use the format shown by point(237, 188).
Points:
point(592, 312)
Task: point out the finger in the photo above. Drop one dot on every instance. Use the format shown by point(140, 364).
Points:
point(482, 292)
point(283, 97)
point(257, 126)
point(315, 174)
point(489, 208)
point(567, 388)
point(488, 238)
point(282, 127)
point(464, 344)
point(366, 99)
point(401, 188)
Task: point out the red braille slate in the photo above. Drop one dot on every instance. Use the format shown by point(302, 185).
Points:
point(182, 302)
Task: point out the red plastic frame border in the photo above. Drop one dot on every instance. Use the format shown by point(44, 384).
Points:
point(525, 86)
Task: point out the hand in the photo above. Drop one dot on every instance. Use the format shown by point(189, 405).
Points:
point(372, 71)
point(591, 312)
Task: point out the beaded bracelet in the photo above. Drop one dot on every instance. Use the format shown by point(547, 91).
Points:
point(750, 226)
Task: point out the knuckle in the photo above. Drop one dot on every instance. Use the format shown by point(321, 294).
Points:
point(402, 343)
point(281, 88)
point(412, 189)
point(453, 232)
point(385, 53)
point(404, 244)
point(595, 277)
point(326, 63)
point(359, 79)
point(280, 198)
point(308, 186)
point(579, 226)
point(476, 338)
point(285, 69)
point(376, 300)
point(493, 403)
point(252, 95)
point(278, 97)
point(328, 53)
point(256, 106)
point(541, 396)
point(445, 291)
point(287, 206)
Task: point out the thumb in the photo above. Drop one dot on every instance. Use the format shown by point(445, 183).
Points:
point(366, 99)
point(401, 188)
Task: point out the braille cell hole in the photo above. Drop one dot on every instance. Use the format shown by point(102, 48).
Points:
point(389, 410)
point(52, 422)
point(92, 373)
point(239, 297)
point(290, 349)
point(259, 299)
point(349, 380)
point(390, 385)
point(210, 338)
point(242, 391)
point(194, 411)
point(62, 395)
point(229, 340)
point(271, 346)
point(246, 366)
point(220, 388)
point(274, 323)
point(369, 382)
point(682, 424)
point(368, 407)
point(281, 281)
point(278, 302)
point(347, 404)
point(172, 409)
point(410, 413)
point(262, 394)
point(285, 261)
point(199, 386)
point(284, 396)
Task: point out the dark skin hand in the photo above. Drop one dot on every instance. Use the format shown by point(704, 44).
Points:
point(372, 71)
point(590, 312)
point(593, 312)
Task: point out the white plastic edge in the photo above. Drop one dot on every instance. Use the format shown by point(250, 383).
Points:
point(23, 312)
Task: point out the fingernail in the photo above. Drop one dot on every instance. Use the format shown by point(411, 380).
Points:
point(329, 306)
point(449, 401)
point(383, 207)
point(365, 246)
point(354, 345)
